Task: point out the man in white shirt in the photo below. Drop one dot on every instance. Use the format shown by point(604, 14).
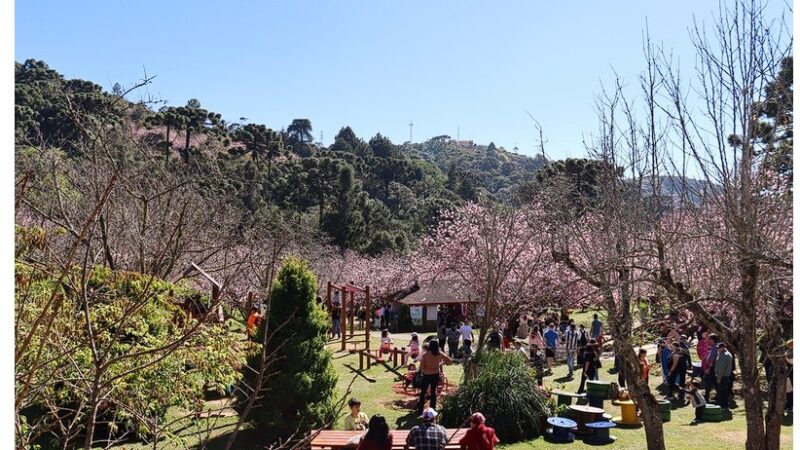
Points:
point(466, 333)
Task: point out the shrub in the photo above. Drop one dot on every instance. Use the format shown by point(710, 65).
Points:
point(301, 380)
point(505, 392)
point(134, 321)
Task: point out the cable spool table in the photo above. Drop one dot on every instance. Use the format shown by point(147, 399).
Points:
point(600, 433)
point(666, 410)
point(597, 388)
point(629, 417)
point(584, 414)
point(560, 431)
point(712, 413)
point(596, 401)
point(565, 398)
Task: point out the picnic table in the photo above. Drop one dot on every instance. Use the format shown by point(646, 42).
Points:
point(339, 439)
point(561, 429)
point(565, 398)
point(628, 416)
point(600, 432)
point(584, 414)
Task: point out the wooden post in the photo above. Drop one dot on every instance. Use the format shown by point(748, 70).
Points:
point(352, 313)
point(215, 292)
point(367, 316)
point(344, 318)
point(328, 300)
point(249, 305)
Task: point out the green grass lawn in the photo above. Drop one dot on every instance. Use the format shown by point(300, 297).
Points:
point(378, 397)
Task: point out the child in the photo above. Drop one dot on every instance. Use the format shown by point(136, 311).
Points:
point(537, 361)
point(386, 341)
point(643, 363)
point(409, 377)
point(697, 399)
point(413, 346)
point(356, 420)
point(253, 321)
point(518, 348)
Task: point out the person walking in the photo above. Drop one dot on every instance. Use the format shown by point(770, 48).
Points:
point(676, 369)
point(336, 318)
point(571, 347)
point(590, 358)
point(665, 359)
point(429, 367)
point(709, 375)
point(524, 329)
point(597, 330)
point(467, 337)
point(452, 340)
point(551, 342)
point(429, 435)
point(722, 371)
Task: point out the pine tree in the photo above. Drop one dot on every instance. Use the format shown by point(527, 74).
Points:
point(300, 388)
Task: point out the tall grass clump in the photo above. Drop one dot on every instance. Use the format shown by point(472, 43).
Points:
point(505, 391)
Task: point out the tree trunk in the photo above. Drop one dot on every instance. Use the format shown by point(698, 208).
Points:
point(776, 403)
point(751, 390)
point(188, 135)
point(106, 247)
point(94, 405)
point(645, 400)
point(748, 361)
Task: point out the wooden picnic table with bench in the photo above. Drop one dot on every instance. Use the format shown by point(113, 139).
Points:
point(339, 439)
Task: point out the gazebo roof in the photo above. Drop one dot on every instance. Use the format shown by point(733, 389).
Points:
point(440, 292)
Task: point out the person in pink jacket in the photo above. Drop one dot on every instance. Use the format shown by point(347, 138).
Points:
point(703, 347)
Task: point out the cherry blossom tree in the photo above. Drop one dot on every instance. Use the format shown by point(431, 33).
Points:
point(488, 251)
point(729, 261)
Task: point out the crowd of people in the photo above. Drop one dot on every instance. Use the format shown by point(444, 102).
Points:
point(557, 336)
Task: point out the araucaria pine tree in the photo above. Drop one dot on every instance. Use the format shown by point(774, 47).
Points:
point(300, 380)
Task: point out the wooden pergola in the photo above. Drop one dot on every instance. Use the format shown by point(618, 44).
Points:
point(351, 298)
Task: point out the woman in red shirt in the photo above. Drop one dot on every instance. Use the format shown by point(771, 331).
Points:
point(378, 436)
point(479, 436)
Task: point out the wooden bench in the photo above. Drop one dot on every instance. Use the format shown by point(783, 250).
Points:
point(337, 440)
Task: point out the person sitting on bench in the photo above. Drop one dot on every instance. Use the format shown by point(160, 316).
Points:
point(413, 346)
point(386, 341)
point(408, 379)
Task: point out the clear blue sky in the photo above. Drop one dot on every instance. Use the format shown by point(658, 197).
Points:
point(373, 65)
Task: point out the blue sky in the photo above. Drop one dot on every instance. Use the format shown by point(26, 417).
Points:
point(373, 65)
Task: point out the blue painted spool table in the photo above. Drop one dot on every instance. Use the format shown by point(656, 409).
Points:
point(560, 431)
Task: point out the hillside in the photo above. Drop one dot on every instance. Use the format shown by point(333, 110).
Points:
point(494, 169)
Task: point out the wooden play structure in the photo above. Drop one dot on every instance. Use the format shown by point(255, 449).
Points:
point(348, 304)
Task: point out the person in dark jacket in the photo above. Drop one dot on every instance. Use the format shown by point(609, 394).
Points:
point(590, 358)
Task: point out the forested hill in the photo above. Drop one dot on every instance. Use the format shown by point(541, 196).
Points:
point(494, 169)
point(369, 195)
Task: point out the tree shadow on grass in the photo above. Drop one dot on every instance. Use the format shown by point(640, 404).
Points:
point(359, 373)
point(247, 438)
point(409, 420)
